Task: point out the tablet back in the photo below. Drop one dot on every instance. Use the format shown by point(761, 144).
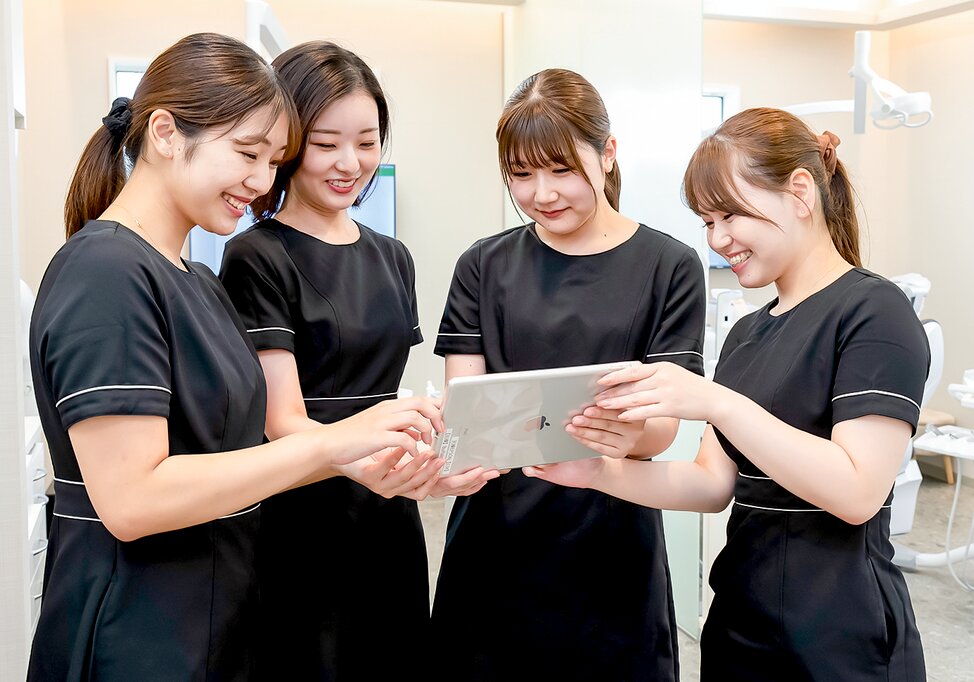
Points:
point(514, 419)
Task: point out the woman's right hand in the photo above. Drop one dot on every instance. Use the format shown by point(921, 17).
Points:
point(400, 423)
point(466, 483)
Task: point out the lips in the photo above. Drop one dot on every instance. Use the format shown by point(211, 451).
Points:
point(342, 186)
point(551, 215)
point(238, 205)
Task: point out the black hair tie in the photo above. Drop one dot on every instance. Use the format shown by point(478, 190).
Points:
point(119, 118)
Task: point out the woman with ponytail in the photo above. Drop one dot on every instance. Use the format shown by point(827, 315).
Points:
point(522, 577)
point(151, 395)
point(814, 400)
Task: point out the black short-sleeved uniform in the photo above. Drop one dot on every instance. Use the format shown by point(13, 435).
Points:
point(119, 330)
point(344, 581)
point(541, 581)
point(799, 594)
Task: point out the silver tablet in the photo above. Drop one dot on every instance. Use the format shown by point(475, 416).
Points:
point(515, 419)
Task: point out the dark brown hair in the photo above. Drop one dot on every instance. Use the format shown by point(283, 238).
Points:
point(318, 74)
point(543, 120)
point(764, 147)
point(204, 80)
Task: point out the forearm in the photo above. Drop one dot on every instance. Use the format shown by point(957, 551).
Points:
point(185, 490)
point(681, 486)
point(658, 434)
point(815, 469)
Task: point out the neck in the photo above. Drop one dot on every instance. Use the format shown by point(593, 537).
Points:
point(334, 227)
point(604, 230)
point(140, 208)
point(821, 266)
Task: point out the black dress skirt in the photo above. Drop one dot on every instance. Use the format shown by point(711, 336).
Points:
point(800, 595)
point(344, 581)
point(119, 330)
point(540, 581)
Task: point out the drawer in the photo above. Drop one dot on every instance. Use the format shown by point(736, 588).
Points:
point(38, 555)
point(36, 519)
point(36, 472)
point(36, 594)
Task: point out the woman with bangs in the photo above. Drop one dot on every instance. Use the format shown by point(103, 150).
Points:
point(815, 398)
point(151, 395)
point(523, 593)
point(330, 306)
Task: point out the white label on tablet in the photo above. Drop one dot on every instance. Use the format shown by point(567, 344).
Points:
point(447, 449)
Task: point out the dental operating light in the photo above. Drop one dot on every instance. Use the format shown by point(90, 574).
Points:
point(893, 106)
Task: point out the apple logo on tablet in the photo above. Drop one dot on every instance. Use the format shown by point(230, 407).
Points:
point(537, 423)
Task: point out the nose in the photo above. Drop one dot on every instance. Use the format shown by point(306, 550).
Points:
point(719, 236)
point(261, 179)
point(347, 161)
point(544, 190)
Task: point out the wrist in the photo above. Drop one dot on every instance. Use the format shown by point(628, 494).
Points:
point(725, 405)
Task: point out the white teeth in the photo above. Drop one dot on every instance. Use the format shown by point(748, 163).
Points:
point(341, 183)
point(739, 258)
point(239, 205)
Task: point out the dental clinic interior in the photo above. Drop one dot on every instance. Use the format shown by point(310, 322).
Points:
point(891, 78)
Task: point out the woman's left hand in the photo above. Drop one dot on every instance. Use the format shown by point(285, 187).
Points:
point(662, 389)
point(604, 432)
point(394, 472)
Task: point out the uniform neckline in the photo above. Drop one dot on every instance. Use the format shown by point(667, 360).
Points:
point(153, 250)
point(774, 301)
point(361, 234)
point(531, 228)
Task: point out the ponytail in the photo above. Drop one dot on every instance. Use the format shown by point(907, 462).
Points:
point(613, 185)
point(840, 216)
point(100, 173)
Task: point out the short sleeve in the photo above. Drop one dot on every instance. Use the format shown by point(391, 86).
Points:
point(103, 338)
point(417, 336)
point(460, 332)
point(679, 338)
point(254, 284)
point(882, 357)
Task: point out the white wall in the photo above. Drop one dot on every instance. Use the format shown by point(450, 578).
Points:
point(644, 58)
point(440, 64)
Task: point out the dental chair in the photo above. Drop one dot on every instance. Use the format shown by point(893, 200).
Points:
point(907, 484)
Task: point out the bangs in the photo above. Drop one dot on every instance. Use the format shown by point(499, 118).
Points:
point(530, 137)
point(282, 104)
point(708, 184)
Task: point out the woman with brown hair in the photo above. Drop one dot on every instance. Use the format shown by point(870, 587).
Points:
point(814, 400)
point(152, 397)
point(523, 592)
point(330, 306)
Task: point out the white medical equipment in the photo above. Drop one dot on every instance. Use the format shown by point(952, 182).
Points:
point(726, 306)
point(955, 442)
point(893, 106)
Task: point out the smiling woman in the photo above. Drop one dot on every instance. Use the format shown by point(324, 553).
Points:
point(330, 306)
point(150, 395)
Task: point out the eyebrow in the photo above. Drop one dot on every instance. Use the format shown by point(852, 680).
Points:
point(328, 131)
point(253, 139)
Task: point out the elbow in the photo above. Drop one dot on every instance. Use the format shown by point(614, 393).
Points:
point(716, 503)
point(857, 514)
point(125, 525)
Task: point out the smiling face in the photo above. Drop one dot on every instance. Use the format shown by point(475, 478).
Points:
point(759, 251)
point(343, 152)
point(560, 199)
point(228, 168)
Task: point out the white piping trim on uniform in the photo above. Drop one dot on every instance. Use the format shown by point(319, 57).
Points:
point(270, 329)
point(61, 480)
point(887, 393)
point(756, 478)
point(445, 334)
point(77, 518)
point(776, 509)
point(675, 352)
point(112, 388)
point(356, 397)
point(245, 511)
point(416, 327)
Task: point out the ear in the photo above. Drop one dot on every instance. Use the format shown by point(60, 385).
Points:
point(162, 134)
point(801, 184)
point(609, 154)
